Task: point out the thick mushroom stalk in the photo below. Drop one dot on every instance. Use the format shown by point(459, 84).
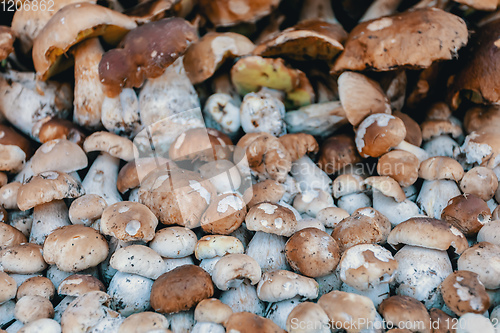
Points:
point(120, 114)
point(380, 8)
point(46, 218)
point(319, 10)
point(101, 178)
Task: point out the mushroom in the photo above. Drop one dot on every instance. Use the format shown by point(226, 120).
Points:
point(243, 298)
point(15, 149)
point(232, 269)
point(310, 202)
point(58, 155)
point(101, 178)
point(387, 186)
point(262, 112)
point(468, 213)
point(130, 293)
point(121, 114)
point(281, 285)
point(470, 322)
point(439, 168)
point(337, 152)
point(413, 131)
point(482, 258)
point(7, 37)
point(268, 249)
point(481, 147)
point(480, 181)
point(406, 311)
point(49, 129)
point(8, 287)
point(24, 258)
point(116, 146)
point(489, 232)
point(439, 320)
point(174, 242)
point(86, 209)
point(10, 236)
point(228, 12)
point(212, 310)
point(144, 322)
point(305, 316)
point(139, 260)
point(479, 117)
point(41, 325)
point(248, 322)
point(401, 165)
point(352, 202)
point(464, 293)
point(434, 196)
point(30, 308)
point(36, 286)
point(271, 218)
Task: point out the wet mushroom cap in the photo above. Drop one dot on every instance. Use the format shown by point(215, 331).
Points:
point(467, 212)
point(463, 293)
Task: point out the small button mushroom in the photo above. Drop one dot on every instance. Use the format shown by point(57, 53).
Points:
point(387, 186)
point(264, 191)
point(441, 167)
point(181, 289)
point(434, 196)
point(311, 202)
point(130, 293)
point(331, 216)
point(212, 310)
point(473, 322)
point(22, 259)
point(281, 285)
point(312, 315)
point(249, 322)
point(490, 233)
point(312, 252)
point(10, 236)
point(400, 165)
point(174, 242)
point(144, 322)
point(8, 287)
point(56, 128)
point(463, 293)
point(337, 152)
point(271, 218)
point(138, 259)
point(482, 258)
point(232, 269)
point(222, 112)
point(74, 248)
point(212, 246)
point(262, 112)
point(468, 213)
point(41, 325)
point(480, 181)
point(407, 312)
point(364, 226)
point(58, 155)
point(86, 209)
point(30, 308)
point(224, 215)
point(36, 286)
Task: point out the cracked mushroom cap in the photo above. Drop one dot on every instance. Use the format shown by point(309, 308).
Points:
point(387, 186)
point(71, 25)
point(407, 310)
point(482, 147)
point(7, 38)
point(211, 246)
point(378, 133)
point(271, 218)
point(312, 252)
point(484, 259)
point(280, 285)
point(463, 293)
point(480, 181)
point(36, 286)
point(400, 165)
point(113, 144)
point(201, 143)
point(441, 167)
point(246, 322)
point(467, 212)
point(203, 58)
point(412, 39)
point(337, 152)
point(212, 310)
point(58, 155)
point(74, 248)
point(87, 209)
point(79, 284)
point(46, 187)
point(429, 233)
point(144, 322)
point(129, 221)
point(138, 259)
point(181, 289)
point(367, 265)
point(24, 258)
point(231, 12)
point(232, 269)
point(8, 287)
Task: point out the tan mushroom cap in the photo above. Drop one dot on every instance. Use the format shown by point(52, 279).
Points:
point(56, 128)
point(87, 209)
point(312, 252)
point(205, 56)
point(59, 155)
point(405, 309)
point(437, 127)
point(413, 131)
point(3, 179)
point(479, 117)
point(429, 233)
point(339, 305)
point(224, 215)
point(8, 195)
point(378, 133)
point(12, 158)
point(484, 259)
point(367, 265)
point(246, 322)
point(387, 186)
point(144, 322)
point(467, 212)
point(113, 144)
point(138, 259)
point(307, 312)
point(280, 285)
point(46, 187)
point(337, 152)
point(7, 38)
point(440, 320)
point(299, 144)
point(69, 26)
point(181, 289)
point(463, 292)
point(36, 286)
point(413, 38)
point(271, 218)
point(482, 147)
point(231, 269)
point(230, 12)
point(400, 165)
point(265, 191)
point(201, 143)
point(212, 310)
point(361, 97)
point(364, 226)
point(331, 216)
point(8, 287)
point(10, 236)
point(346, 184)
point(129, 221)
point(132, 173)
point(22, 259)
point(480, 181)
point(174, 242)
point(9, 137)
point(441, 167)
point(79, 284)
point(211, 246)
point(31, 308)
point(74, 248)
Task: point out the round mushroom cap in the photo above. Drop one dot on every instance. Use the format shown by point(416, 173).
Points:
point(490, 232)
point(364, 226)
point(74, 248)
point(337, 152)
point(174, 242)
point(201, 143)
point(132, 173)
point(438, 127)
point(400, 165)
point(36, 286)
point(378, 133)
point(232, 269)
point(413, 38)
point(312, 252)
point(441, 167)
point(331, 216)
point(56, 128)
point(484, 259)
point(367, 265)
point(479, 117)
point(224, 215)
point(407, 310)
point(482, 147)
point(212, 246)
point(87, 209)
point(347, 184)
point(271, 218)
point(280, 285)
point(181, 289)
point(468, 213)
point(299, 144)
point(246, 322)
point(8, 195)
point(144, 322)
point(24, 258)
point(473, 322)
point(387, 186)
point(8, 287)
point(228, 12)
point(79, 284)
point(463, 292)
point(138, 259)
point(58, 155)
point(212, 310)
point(10, 236)
point(113, 144)
point(480, 181)
point(413, 131)
point(41, 325)
point(129, 221)
point(429, 233)
point(267, 190)
point(307, 312)
point(30, 308)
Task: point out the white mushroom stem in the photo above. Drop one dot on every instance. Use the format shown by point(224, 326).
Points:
point(328, 283)
point(351, 202)
point(120, 114)
point(309, 176)
point(417, 151)
point(394, 211)
point(278, 312)
point(129, 293)
point(172, 263)
point(7, 312)
point(434, 196)
point(181, 321)
point(62, 306)
point(109, 324)
point(209, 264)
point(269, 251)
point(442, 145)
point(202, 327)
point(376, 293)
point(101, 178)
point(15, 327)
point(46, 218)
point(380, 8)
point(105, 267)
point(318, 9)
point(243, 298)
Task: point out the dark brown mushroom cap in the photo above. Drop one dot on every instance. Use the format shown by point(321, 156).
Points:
point(463, 293)
point(246, 322)
point(9, 136)
point(181, 289)
point(413, 38)
point(337, 152)
point(145, 53)
point(405, 309)
point(310, 39)
point(378, 133)
point(6, 42)
point(231, 12)
point(56, 128)
point(467, 212)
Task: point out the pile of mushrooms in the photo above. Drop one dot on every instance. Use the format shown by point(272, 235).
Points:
point(250, 166)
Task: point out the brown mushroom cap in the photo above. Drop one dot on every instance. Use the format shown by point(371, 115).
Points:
point(468, 212)
point(337, 152)
point(79, 284)
point(267, 190)
point(46, 187)
point(181, 289)
point(212, 310)
point(56, 128)
point(413, 131)
point(204, 57)
point(86, 209)
point(36, 286)
point(22, 259)
point(74, 248)
point(463, 293)
point(437, 127)
point(113, 144)
point(378, 133)
point(406, 310)
point(480, 181)
point(440, 320)
point(299, 144)
point(482, 147)
point(413, 38)
point(307, 312)
point(479, 117)
point(30, 308)
point(224, 215)
point(271, 218)
point(246, 322)
point(400, 165)
point(58, 155)
point(9, 136)
point(201, 143)
point(429, 233)
point(8, 287)
point(231, 12)
point(312, 252)
point(144, 322)
point(129, 221)
point(441, 167)
point(6, 42)
point(10, 236)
